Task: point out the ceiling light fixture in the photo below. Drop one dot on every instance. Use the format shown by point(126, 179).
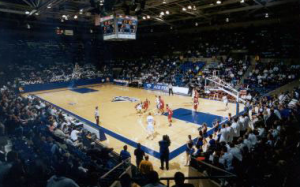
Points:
point(183, 9)
point(167, 12)
point(266, 15)
point(219, 2)
point(148, 17)
point(189, 7)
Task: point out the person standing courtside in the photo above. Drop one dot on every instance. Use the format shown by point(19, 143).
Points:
point(97, 115)
point(139, 154)
point(164, 151)
point(170, 89)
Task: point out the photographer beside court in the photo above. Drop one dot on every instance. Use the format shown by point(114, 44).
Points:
point(164, 151)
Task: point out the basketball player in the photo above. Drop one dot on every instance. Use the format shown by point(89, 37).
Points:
point(157, 103)
point(170, 113)
point(150, 126)
point(196, 93)
point(97, 115)
point(225, 100)
point(146, 105)
point(196, 103)
point(161, 105)
point(139, 107)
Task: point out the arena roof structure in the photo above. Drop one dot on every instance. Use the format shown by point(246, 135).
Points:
point(174, 13)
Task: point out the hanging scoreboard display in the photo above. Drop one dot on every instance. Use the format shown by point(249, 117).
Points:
point(119, 27)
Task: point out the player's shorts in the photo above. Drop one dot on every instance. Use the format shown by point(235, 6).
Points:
point(170, 117)
point(150, 129)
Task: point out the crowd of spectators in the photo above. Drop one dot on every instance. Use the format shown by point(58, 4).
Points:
point(43, 146)
point(56, 72)
point(269, 76)
point(230, 70)
point(261, 146)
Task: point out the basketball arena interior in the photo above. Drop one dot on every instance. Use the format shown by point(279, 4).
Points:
point(149, 93)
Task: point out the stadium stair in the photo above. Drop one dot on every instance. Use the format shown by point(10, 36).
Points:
point(288, 87)
point(249, 70)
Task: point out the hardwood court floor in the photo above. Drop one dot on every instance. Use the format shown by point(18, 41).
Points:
point(122, 119)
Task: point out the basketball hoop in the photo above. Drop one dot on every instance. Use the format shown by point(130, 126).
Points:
point(216, 88)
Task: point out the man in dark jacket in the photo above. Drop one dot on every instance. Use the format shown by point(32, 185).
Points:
point(164, 151)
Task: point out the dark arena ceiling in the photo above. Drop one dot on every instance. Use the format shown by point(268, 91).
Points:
point(172, 13)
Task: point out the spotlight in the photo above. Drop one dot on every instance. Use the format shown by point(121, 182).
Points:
point(266, 15)
point(196, 24)
point(162, 13)
point(148, 17)
point(227, 20)
point(167, 12)
point(218, 2)
point(164, 2)
point(37, 14)
point(189, 7)
point(80, 11)
point(183, 9)
point(144, 17)
point(27, 12)
point(101, 3)
point(75, 17)
point(49, 6)
point(242, 1)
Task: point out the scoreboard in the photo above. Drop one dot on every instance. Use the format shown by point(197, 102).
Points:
point(119, 27)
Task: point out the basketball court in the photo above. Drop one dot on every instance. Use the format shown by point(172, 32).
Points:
point(122, 125)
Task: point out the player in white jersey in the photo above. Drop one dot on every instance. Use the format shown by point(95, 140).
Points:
point(139, 107)
point(150, 126)
point(225, 100)
point(157, 103)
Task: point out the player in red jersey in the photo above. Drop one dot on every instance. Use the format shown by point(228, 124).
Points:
point(161, 105)
point(196, 103)
point(146, 105)
point(196, 93)
point(170, 114)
